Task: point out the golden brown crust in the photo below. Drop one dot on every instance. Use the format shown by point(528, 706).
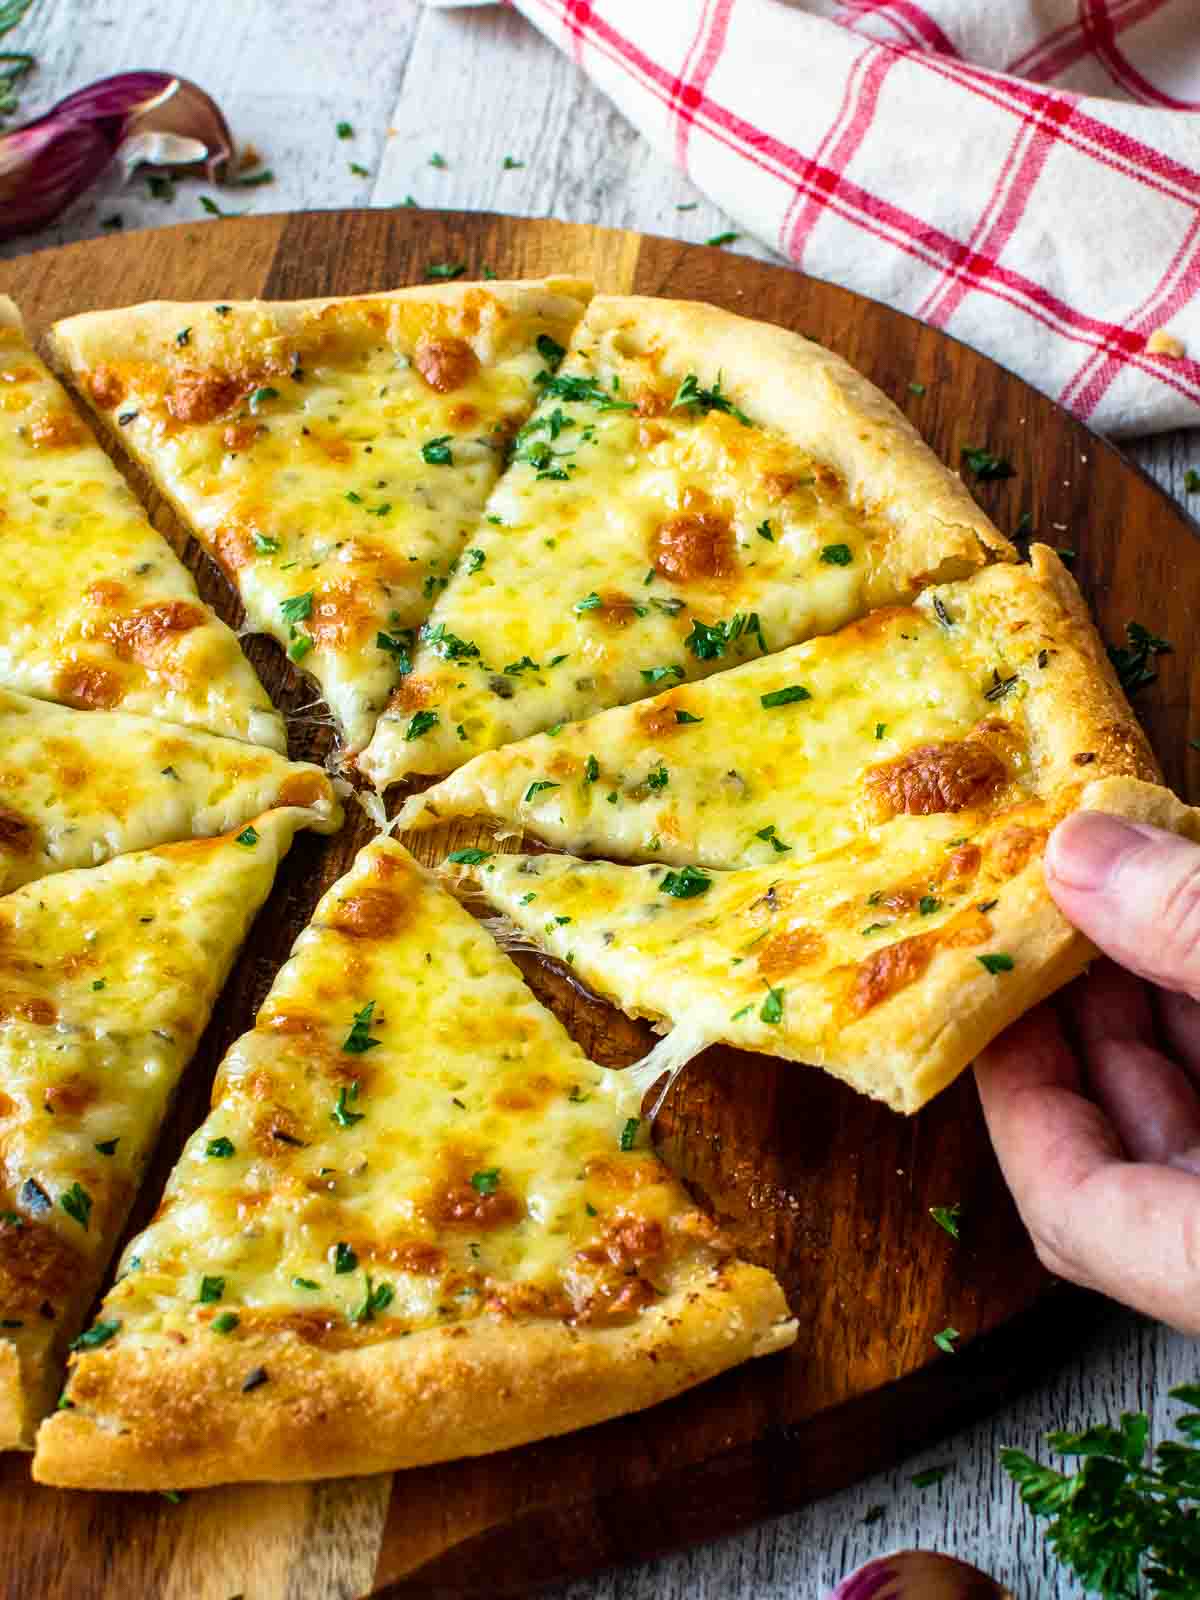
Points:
point(813, 396)
point(142, 1423)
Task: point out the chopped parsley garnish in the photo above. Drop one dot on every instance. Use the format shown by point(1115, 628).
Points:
point(305, 1283)
point(225, 1322)
point(744, 1012)
point(985, 466)
point(945, 1340)
point(341, 1113)
point(686, 716)
point(211, 1290)
point(344, 130)
point(1132, 660)
point(764, 530)
point(359, 171)
point(106, 1147)
point(99, 1333)
point(448, 645)
point(784, 697)
point(999, 686)
point(999, 962)
point(590, 602)
point(296, 607)
point(940, 612)
point(445, 270)
point(659, 778)
point(927, 905)
point(685, 884)
point(183, 337)
point(629, 1133)
point(880, 729)
point(723, 238)
point(657, 674)
point(436, 452)
point(358, 1041)
point(471, 857)
point(837, 555)
point(420, 724)
point(261, 396)
point(248, 837)
point(947, 1217)
point(125, 418)
point(437, 159)
point(265, 546)
point(772, 1006)
point(98, 984)
point(299, 647)
point(376, 1297)
point(254, 180)
point(537, 788)
point(219, 1149)
point(582, 391)
point(916, 388)
point(514, 669)
point(254, 1379)
point(473, 560)
point(693, 395)
point(707, 642)
point(344, 1258)
point(551, 352)
point(77, 1203)
point(875, 927)
point(487, 1181)
point(399, 645)
point(769, 834)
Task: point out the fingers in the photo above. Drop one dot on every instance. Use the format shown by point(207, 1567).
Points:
point(1134, 890)
point(1179, 1019)
point(1129, 1230)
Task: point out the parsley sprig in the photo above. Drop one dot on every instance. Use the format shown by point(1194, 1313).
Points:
point(1132, 659)
point(1121, 1521)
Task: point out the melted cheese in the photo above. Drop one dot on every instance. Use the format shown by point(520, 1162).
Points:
point(625, 528)
point(107, 979)
point(465, 1160)
point(78, 787)
point(96, 609)
point(708, 774)
point(335, 472)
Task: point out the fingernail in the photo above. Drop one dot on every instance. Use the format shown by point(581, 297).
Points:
point(1087, 848)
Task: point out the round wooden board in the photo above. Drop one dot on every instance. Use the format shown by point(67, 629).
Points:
point(831, 1191)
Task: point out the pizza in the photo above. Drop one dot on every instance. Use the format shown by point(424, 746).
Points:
point(77, 787)
point(332, 456)
point(107, 978)
point(904, 921)
point(418, 1224)
point(96, 610)
point(693, 491)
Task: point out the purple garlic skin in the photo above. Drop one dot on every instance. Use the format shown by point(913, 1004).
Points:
point(918, 1575)
point(49, 162)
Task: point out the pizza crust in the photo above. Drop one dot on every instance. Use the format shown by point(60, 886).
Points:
point(140, 1422)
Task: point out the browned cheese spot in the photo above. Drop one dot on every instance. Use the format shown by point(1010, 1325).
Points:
point(693, 547)
point(445, 363)
point(196, 397)
point(889, 970)
point(90, 688)
point(948, 776)
point(56, 430)
point(787, 951)
point(142, 635)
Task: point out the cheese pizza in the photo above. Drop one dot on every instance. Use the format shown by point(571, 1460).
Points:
point(418, 1224)
point(910, 922)
point(693, 491)
point(77, 787)
point(96, 610)
point(107, 978)
point(332, 456)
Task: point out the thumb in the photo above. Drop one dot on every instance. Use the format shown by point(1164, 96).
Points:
point(1134, 890)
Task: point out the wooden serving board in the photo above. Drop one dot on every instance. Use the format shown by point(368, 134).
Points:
point(829, 1190)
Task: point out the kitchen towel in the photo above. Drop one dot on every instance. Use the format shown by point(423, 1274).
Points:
point(1022, 173)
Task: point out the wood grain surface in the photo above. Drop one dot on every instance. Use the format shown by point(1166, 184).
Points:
point(831, 1191)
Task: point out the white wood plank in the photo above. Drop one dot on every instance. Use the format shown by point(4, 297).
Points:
point(478, 86)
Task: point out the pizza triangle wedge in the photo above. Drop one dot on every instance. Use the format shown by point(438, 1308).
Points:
point(694, 490)
point(954, 703)
point(79, 787)
point(96, 609)
point(332, 456)
point(901, 919)
point(891, 965)
point(107, 979)
point(418, 1224)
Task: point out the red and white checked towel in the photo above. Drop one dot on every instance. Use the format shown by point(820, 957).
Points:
point(1022, 173)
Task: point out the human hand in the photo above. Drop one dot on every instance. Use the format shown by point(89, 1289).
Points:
point(1093, 1102)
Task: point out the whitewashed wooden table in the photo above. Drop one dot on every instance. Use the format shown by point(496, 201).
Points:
point(477, 87)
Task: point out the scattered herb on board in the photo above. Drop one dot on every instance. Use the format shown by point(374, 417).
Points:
point(945, 1340)
point(511, 164)
point(947, 1217)
point(1131, 660)
point(1121, 1522)
point(1191, 481)
point(723, 238)
point(986, 467)
point(344, 130)
point(445, 270)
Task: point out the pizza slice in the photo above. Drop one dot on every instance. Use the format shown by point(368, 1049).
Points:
point(418, 1224)
point(890, 957)
point(331, 455)
point(107, 978)
point(96, 610)
point(796, 752)
point(693, 491)
point(78, 787)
